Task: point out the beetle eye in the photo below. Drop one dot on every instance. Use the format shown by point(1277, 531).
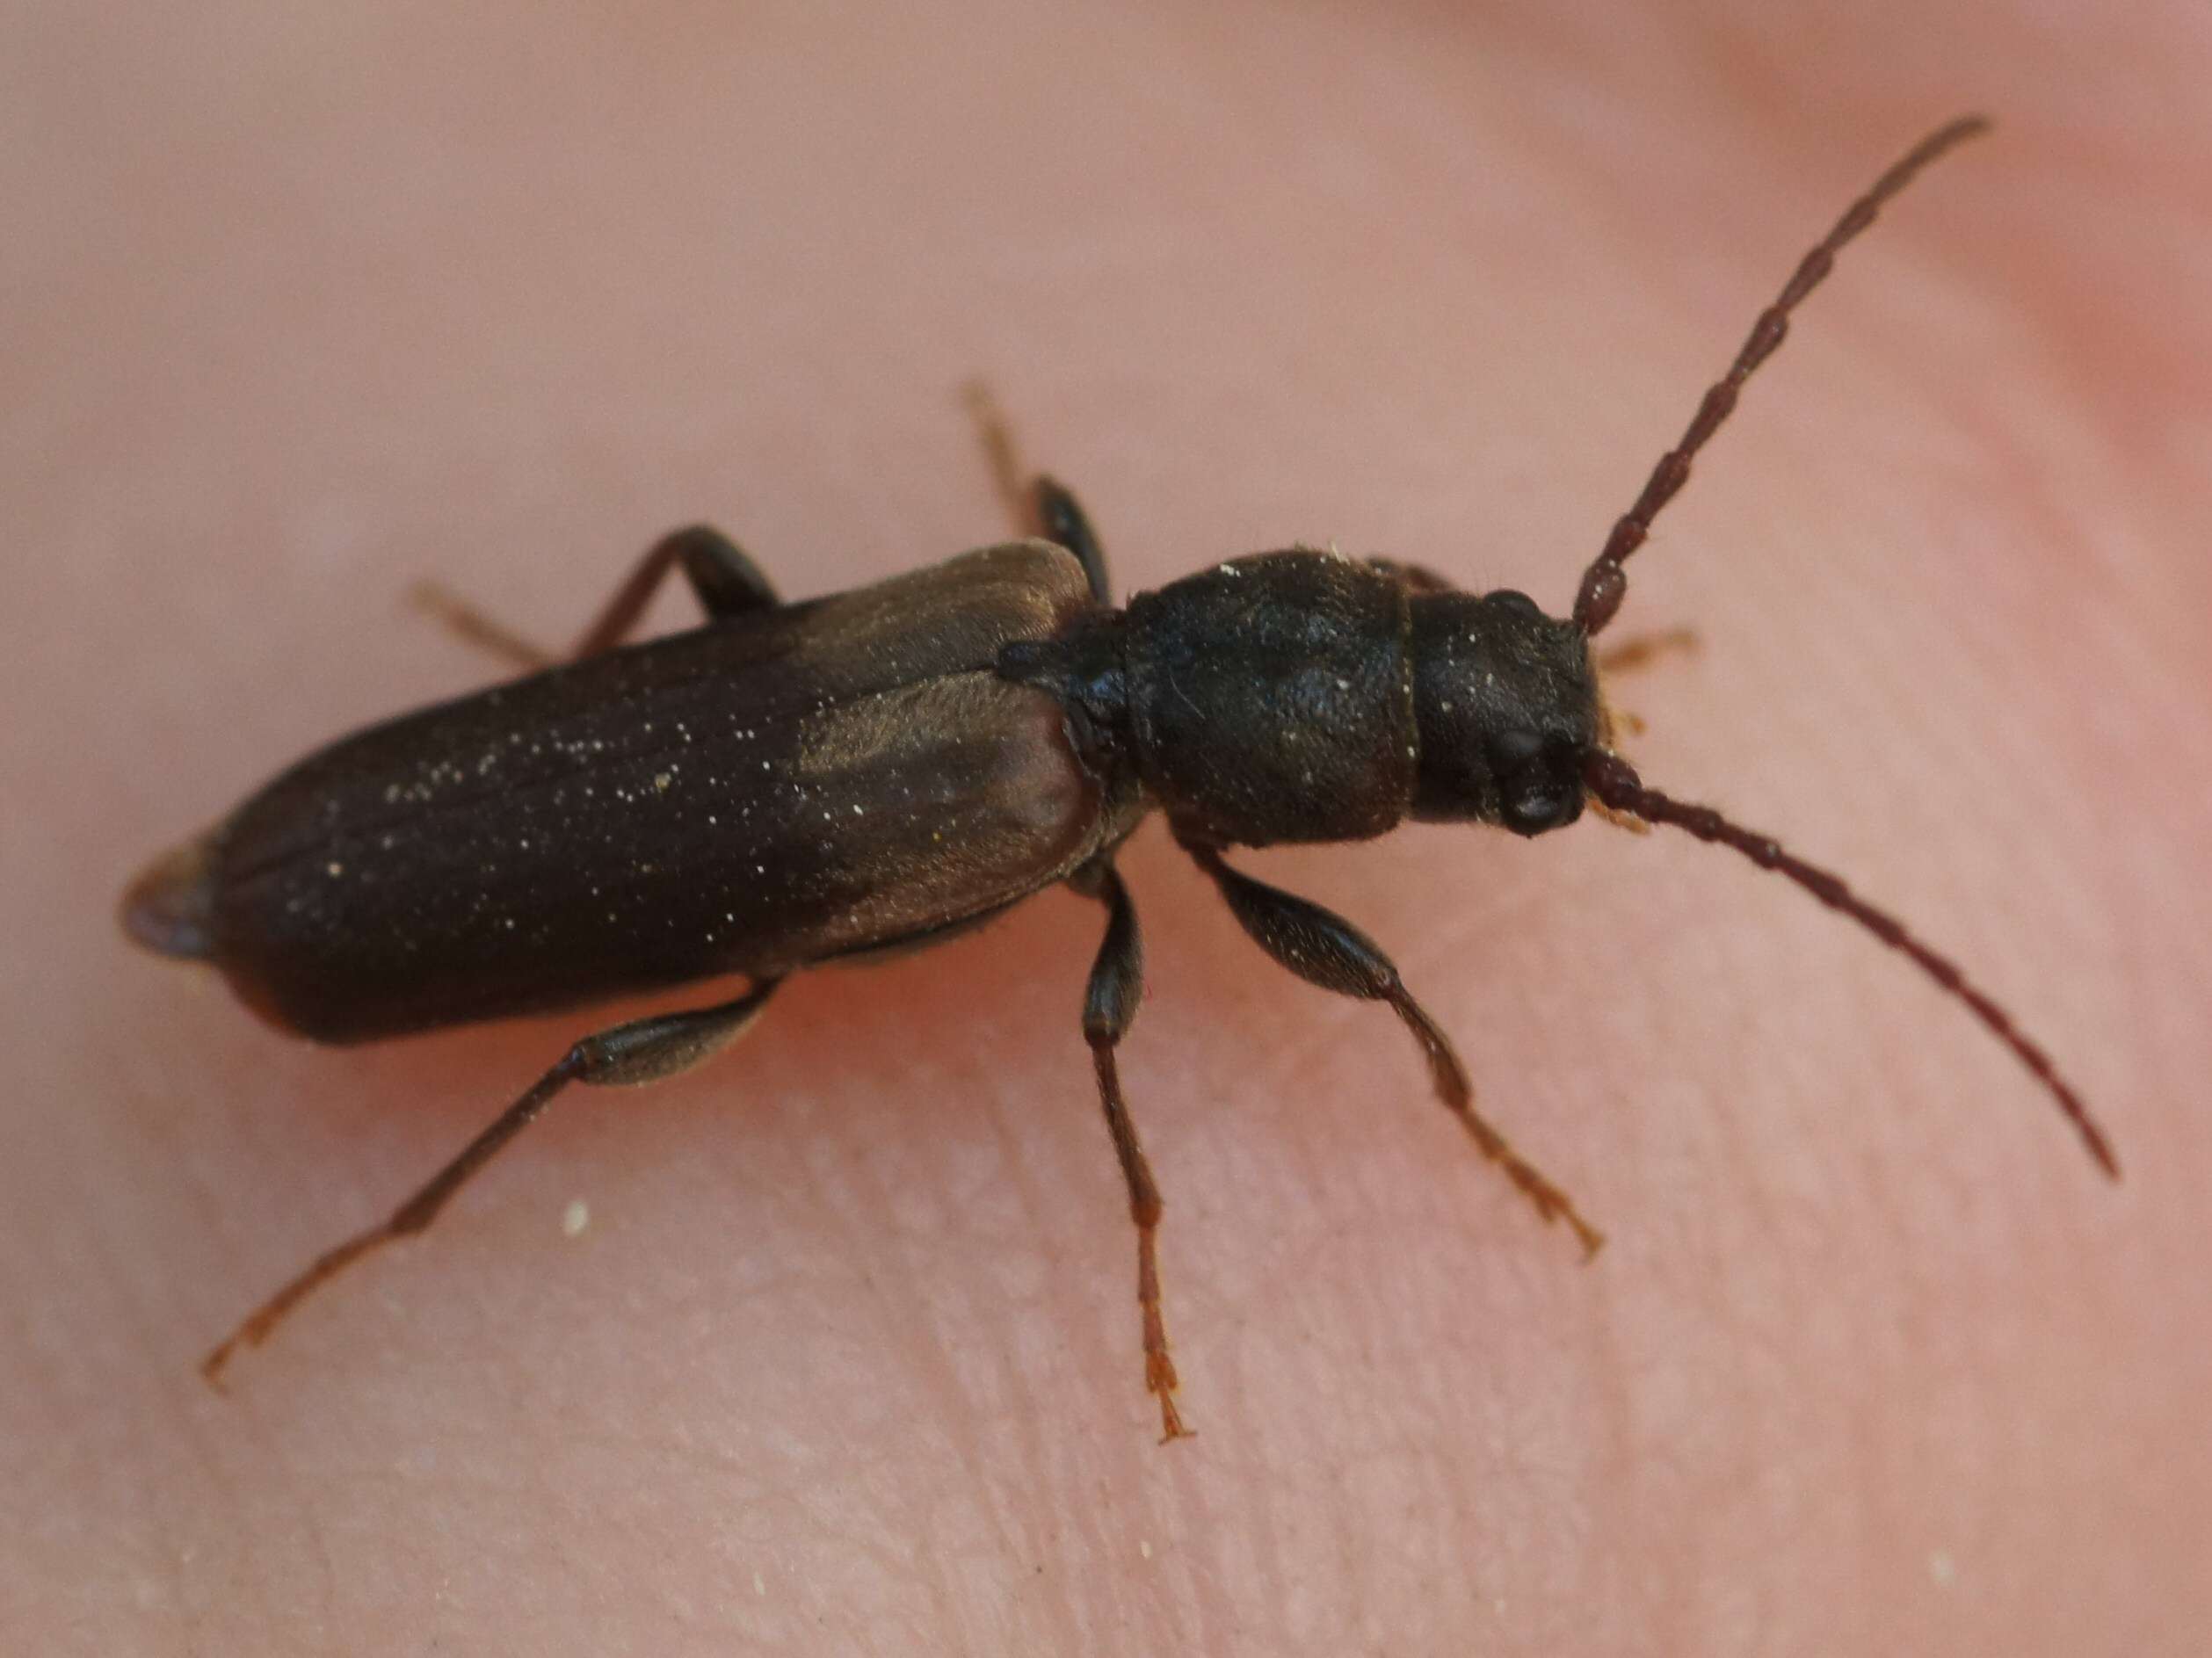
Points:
point(1520, 603)
point(1534, 808)
point(1538, 782)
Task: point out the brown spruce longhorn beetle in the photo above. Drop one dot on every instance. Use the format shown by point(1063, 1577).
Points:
point(820, 780)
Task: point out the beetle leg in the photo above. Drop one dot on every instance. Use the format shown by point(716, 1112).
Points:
point(1109, 1008)
point(1640, 650)
point(471, 627)
point(1066, 523)
point(641, 1051)
point(1039, 505)
point(727, 582)
point(1324, 949)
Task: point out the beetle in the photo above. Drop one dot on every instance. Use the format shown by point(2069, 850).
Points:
point(831, 780)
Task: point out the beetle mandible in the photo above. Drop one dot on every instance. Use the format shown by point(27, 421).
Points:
point(794, 784)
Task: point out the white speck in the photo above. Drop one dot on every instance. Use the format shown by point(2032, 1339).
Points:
point(1144, 1547)
point(660, 781)
point(336, 869)
point(759, 1585)
point(1229, 569)
point(1943, 1569)
point(857, 811)
point(574, 1218)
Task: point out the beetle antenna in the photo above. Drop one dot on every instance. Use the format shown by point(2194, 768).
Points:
point(1603, 583)
point(1616, 785)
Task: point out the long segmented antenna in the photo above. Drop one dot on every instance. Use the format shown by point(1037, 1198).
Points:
point(1603, 583)
point(1616, 784)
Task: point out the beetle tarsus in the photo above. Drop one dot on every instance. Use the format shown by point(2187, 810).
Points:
point(641, 1051)
point(1109, 1008)
point(1145, 1209)
point(1641, 650)
point(1458, 1096)
point(723, 578)
point(471, 627)
point(1324, 949)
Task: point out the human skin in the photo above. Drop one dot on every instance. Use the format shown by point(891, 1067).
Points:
point(304, 306)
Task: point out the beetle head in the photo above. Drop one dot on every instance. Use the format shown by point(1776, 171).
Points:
point(1507, 705)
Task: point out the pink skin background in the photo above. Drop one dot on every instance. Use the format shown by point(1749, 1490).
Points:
point(303, 304)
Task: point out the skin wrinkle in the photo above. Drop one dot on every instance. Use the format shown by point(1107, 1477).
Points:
point(139, 1328)
point(904, 1321)
point(1023, 1396)
point(923, 1341)
point(116, 1282)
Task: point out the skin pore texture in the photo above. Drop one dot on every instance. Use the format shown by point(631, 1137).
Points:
point(832, 1345)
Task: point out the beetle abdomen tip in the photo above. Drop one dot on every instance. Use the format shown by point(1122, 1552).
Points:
point(170, 908)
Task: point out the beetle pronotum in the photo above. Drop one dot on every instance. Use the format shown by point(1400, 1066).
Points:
point(799, 783)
